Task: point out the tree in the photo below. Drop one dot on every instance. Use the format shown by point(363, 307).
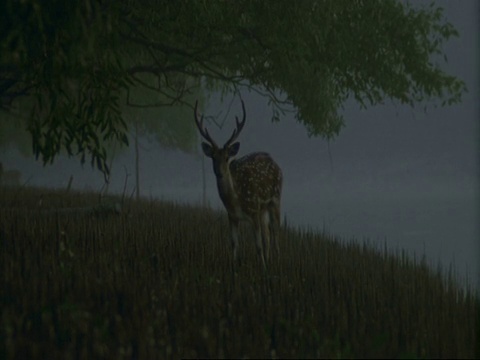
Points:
point(167, 125)
point(76, 62)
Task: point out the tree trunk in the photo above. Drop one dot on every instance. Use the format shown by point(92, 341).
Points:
point(137, 161)
point(204, 181)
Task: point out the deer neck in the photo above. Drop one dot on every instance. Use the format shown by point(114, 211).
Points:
point(226, 190)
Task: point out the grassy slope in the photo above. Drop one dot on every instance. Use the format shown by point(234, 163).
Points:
point(156, 282)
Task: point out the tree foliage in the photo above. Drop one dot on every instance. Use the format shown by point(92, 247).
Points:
point(77, 62)
point(157, 117)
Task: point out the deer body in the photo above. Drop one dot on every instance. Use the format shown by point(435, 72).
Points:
point(249, 187)
point(252, 184)
point(257, 180)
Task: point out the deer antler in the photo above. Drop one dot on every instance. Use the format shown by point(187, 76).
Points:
point(203, 131)
point(238, 128)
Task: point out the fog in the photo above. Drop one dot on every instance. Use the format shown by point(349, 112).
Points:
point(396, 177)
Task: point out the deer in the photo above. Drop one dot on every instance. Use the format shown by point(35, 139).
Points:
point(250, 188)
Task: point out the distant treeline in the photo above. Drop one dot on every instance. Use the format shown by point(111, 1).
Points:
point(10, 177)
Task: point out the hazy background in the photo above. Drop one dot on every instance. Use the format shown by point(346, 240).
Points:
point(395, 176)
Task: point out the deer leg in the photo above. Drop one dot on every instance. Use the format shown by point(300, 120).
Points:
point(274, 212)
point(258, 240)
point(266, 235)
point(234, 237)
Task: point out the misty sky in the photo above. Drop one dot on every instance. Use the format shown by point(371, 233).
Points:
point(395, 175)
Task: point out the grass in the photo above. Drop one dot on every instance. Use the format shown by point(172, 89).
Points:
point(156, 281)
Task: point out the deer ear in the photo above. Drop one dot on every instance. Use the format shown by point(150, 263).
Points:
point(207, 149)
point(233, 149)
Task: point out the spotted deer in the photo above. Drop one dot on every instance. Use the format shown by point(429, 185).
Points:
point(250, 188)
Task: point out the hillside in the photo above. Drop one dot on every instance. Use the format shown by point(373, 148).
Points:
point(150, 279)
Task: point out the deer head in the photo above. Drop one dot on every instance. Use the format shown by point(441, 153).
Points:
point(220, 156)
